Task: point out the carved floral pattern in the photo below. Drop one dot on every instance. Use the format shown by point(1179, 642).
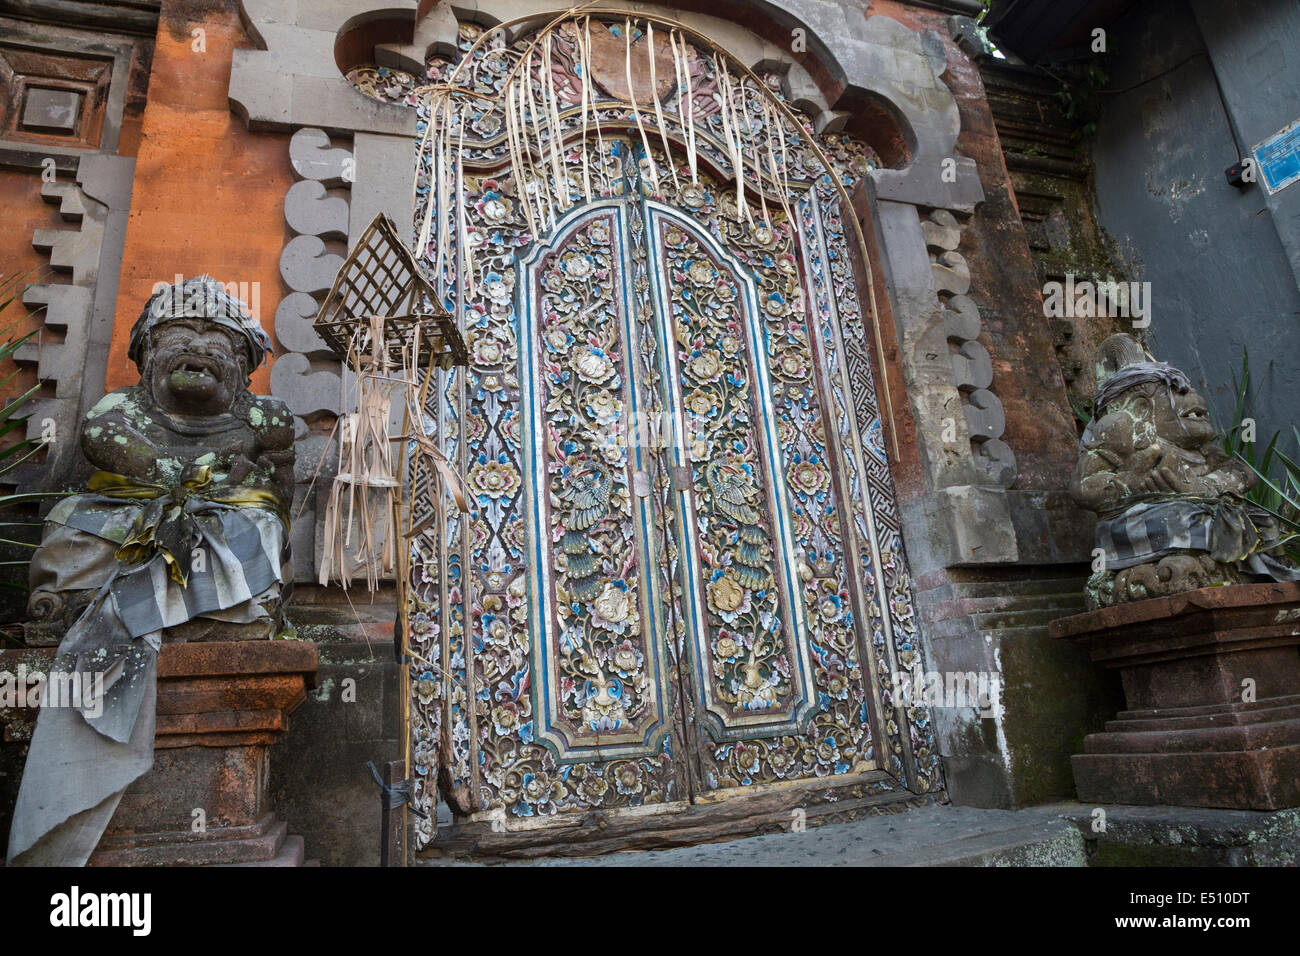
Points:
point(851, 576)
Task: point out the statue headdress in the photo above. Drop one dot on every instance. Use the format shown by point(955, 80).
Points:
point(202, 297)
point(1122, 363)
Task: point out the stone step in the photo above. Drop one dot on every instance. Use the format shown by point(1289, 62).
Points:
point(1223, 715)
point(1012, 620)
point(1057, 606)
point(1262, 735)
point(254, 845)
point(1054, 843)
point(1007, 611)
point(1037, 586)
point(1209, 710)
point(1011, 600)
point(926, 836)
point(1188, 836)
point(292, 853)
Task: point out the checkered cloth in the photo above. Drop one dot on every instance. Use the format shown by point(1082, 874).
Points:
point(140, 550)
point(1229, 529)
point(241, 547)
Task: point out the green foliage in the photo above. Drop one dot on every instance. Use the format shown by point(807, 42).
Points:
point(1082, 409)
point(1277, 488)
point(1080, 99)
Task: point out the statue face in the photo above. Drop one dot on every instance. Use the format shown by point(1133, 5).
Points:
point(1182, 421)
point(195, 368)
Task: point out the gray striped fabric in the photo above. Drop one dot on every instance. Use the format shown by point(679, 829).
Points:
point(81, 761)
point(1228, 529)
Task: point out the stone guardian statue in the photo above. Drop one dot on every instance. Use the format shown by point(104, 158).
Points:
point(181, 534)
point(1170, 504)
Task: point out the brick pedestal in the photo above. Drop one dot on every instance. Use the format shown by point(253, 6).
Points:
point(1188, 737)
point(221, 707)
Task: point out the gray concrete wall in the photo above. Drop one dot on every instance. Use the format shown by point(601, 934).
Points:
point(1222, 276)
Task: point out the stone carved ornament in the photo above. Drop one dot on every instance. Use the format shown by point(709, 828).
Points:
point(180, 535)
point(1172, 516)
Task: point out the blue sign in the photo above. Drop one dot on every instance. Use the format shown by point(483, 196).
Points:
point(1278, 158)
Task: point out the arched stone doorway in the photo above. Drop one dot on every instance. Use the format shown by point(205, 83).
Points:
point(853, 80)
point(682, 581)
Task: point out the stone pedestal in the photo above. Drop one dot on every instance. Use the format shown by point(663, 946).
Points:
point(1212, 683)
point(221, 706)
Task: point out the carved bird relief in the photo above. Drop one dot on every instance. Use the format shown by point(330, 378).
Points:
point(733, 494)
point(586, 491)
point(755, 693)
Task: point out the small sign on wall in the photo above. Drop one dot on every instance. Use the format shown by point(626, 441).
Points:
point(1278, 158)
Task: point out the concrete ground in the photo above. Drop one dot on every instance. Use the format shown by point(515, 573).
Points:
point(1064, 834)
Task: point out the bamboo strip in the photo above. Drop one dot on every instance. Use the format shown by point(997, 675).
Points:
point(659, 112)
point(636, 112)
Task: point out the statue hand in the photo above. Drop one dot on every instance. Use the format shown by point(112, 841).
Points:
point(1166, 479)
point(1232, 479)
point(1140, 468)
point(240, 466)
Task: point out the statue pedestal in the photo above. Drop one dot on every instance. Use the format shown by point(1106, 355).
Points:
point(221, 706)
point(1187, 661)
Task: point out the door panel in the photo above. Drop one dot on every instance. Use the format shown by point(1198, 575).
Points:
point(677, 614)
point(598, 640)
point(780, 694)
point(738, 576)
point(672, 422)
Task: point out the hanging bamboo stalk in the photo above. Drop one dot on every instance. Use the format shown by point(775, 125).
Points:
point(732, 102)
point(659, 111)
point(636, 112)
point(365, 489)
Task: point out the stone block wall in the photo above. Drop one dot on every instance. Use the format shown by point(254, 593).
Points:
point(996, 545)
point(319, 781)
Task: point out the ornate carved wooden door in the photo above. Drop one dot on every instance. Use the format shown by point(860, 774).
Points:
point(692, 618)
point(681, 579)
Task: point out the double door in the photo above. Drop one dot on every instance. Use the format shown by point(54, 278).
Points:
point(694, 616)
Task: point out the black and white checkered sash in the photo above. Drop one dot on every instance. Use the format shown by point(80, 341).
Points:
point(1148, 527)
point(185, 550)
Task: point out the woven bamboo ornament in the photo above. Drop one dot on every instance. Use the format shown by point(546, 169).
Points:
point(380, 277)
point(384, 320)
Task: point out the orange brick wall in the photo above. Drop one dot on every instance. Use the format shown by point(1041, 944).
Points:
point(208, 194)
point(25, 212)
